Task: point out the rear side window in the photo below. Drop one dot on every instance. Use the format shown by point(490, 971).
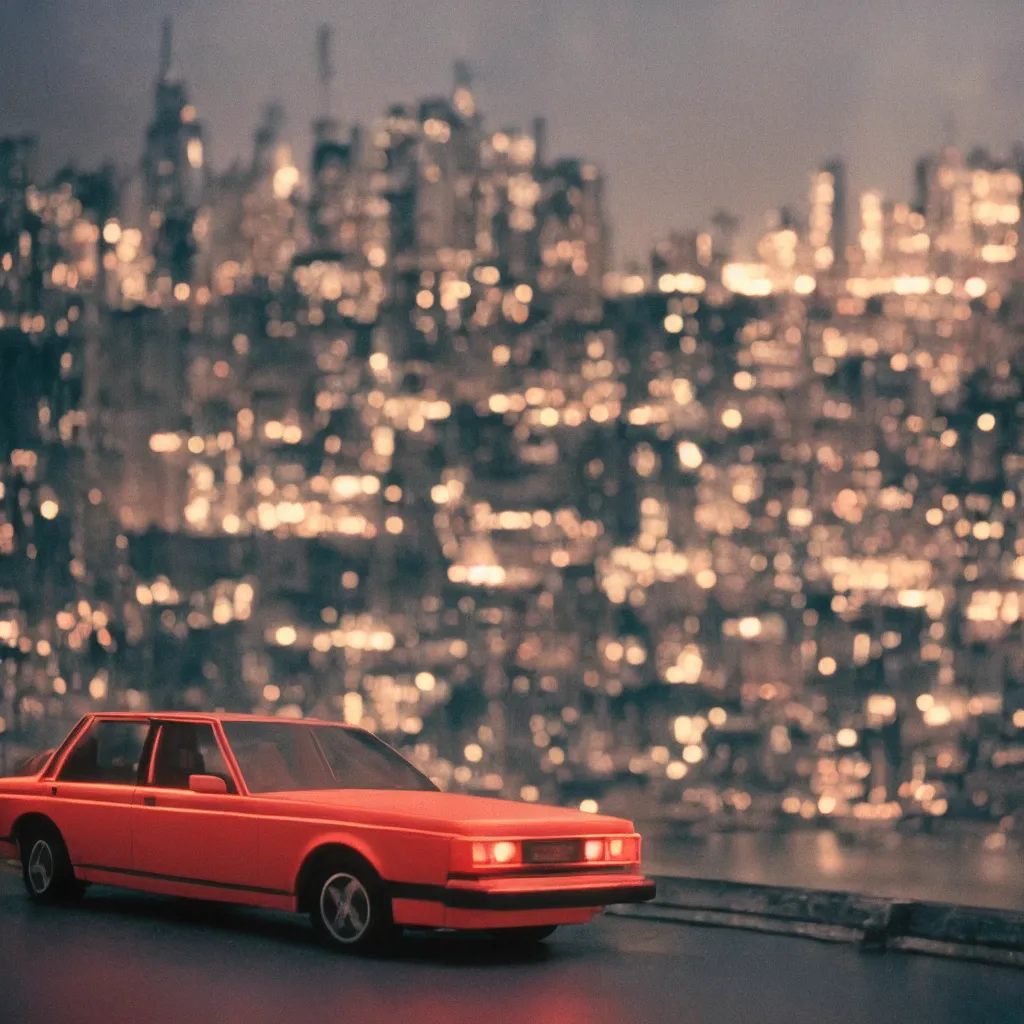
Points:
point(109, 751)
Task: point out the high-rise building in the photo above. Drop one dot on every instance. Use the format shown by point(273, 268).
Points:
point(923, 170)
point(140, 391)
point(335, 205)
point(391, 190)
point(948, 213)
point(871, 250)
point(907, 243)
point(273, 225)
point(334, 199)
point(20, 281)
point(510, 193)
point(827, 217)
point(174, 172)
point(448, 173)
point(683, 252)
point(781, 247)
point(996, 190)
point(973, 213)
point(574, 239)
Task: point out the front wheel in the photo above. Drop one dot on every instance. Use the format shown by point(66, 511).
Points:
point(525, 936)
point(46, 868)
point(350, 909)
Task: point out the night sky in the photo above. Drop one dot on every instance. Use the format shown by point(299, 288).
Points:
point(687, 104)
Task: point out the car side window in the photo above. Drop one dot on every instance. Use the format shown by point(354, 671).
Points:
point(184, 749)
point(109, 751)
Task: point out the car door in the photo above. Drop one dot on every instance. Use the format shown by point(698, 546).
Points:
point(178, 836)
point(93, 791)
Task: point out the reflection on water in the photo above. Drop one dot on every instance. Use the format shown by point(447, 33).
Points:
point(910, 867)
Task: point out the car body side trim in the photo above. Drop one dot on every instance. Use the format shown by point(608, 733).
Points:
point(416, 891)
point(184, 881)
point(461, 899)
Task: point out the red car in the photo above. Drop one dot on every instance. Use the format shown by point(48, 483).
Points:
point(304, 816)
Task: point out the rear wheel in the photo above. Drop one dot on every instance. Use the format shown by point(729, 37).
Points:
point(349, 907)
point(46, 867)
point(525, 936)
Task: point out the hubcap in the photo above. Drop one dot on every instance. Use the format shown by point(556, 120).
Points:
point(345, 907)
point(40, 867)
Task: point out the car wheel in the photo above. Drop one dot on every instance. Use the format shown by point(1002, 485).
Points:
point(525, 936)
point(46, 867)
point(350, 909)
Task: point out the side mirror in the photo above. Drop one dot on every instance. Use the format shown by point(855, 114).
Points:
point(207, 784)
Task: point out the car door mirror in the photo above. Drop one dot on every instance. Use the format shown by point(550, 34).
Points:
point(207, 784)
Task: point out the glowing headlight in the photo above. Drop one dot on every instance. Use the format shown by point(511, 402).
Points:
point(503, 852)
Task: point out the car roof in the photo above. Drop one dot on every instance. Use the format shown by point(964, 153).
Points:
point(212, 716)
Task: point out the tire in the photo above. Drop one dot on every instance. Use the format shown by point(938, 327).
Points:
point(530, 936)
point(349, 907)
point(46, 867)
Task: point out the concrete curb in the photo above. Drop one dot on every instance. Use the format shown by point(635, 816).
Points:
point(874, 923)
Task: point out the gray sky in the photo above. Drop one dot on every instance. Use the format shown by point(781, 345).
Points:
point(686, 105)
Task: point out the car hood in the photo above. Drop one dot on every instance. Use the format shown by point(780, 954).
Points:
point(453, 813)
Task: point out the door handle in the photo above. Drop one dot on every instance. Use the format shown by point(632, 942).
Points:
point(149, 801)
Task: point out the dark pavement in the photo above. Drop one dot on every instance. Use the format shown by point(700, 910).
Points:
point(126, 957)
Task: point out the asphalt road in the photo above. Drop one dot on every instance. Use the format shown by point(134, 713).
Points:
point(125, 957)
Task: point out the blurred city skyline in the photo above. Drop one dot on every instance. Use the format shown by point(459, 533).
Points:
point(684, 111)
point(378, 433)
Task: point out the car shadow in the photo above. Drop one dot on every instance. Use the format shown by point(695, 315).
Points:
point(416, 946)
point(465, 949)
point(193, 913)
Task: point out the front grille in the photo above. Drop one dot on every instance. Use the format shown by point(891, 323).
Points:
point(553, 851)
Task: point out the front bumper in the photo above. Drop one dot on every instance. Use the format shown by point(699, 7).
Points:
point(516, 901)
point(551, 892)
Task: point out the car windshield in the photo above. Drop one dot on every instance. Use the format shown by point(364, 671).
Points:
point(287, 757)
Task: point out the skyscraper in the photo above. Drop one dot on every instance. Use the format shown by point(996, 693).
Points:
point(392, 190)
point(174, 172)
point(872, 249)
point(573, 239)
point(334, 205)
point(273, 224)
point(448, 172)
point(948, 212)
point(972, 211)
point(19, 271)
point(827, 217)
point(510, 194)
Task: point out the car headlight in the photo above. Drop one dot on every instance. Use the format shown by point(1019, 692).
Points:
point(501, 853)
point(625, 850)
